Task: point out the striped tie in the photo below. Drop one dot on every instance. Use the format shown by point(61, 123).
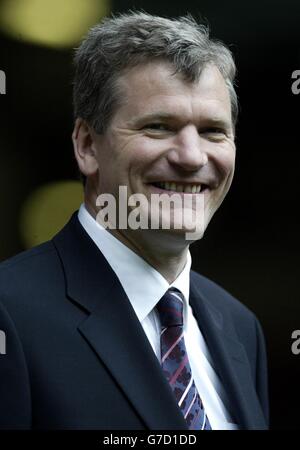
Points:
point(175, 363)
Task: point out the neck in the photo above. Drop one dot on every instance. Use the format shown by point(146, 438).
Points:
point(151, 246)
point(159, 248)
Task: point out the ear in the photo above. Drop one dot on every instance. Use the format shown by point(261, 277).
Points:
point(84, 148)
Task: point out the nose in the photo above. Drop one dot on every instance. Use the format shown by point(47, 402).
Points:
point(188, 152)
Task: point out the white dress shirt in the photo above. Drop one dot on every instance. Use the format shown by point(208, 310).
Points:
point(144, 287)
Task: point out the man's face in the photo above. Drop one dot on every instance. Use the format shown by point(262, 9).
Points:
point(169, 135)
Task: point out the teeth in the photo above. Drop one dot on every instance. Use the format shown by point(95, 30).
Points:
point(170, 186)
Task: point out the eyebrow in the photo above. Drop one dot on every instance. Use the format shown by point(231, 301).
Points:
point(164, 116)
point(160, 115)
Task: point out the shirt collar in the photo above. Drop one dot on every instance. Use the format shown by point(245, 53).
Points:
point(144, 285)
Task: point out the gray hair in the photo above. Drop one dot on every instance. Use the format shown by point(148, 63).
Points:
point(120, 42)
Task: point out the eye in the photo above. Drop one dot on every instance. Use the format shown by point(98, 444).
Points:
point(214, 132)
point(157, 127)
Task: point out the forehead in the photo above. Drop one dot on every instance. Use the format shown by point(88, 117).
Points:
point(153, 87)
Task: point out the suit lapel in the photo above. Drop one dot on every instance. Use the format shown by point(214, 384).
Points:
point(113, 330)
point(128, 356)
point(230, 363)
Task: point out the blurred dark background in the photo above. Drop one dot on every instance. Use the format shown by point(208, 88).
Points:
point(251, 246)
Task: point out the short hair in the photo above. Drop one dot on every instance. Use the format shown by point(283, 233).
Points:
point(126, 40)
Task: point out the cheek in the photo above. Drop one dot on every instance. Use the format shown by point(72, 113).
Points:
point(225, 162)
point(229, 166)
point(144, 155)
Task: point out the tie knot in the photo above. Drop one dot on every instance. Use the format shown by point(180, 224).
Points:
point(170, 309)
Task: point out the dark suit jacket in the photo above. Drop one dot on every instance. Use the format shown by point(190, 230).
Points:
point(78, 358)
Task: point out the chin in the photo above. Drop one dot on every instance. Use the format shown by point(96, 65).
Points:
point(184, 236)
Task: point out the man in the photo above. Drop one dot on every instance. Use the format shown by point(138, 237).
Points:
point(109, 328)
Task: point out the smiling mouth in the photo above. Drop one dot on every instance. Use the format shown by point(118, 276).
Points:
point(189, 188)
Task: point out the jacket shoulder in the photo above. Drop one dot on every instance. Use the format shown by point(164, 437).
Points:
point(21, 274)
point(219, 298)
point(27, 256)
